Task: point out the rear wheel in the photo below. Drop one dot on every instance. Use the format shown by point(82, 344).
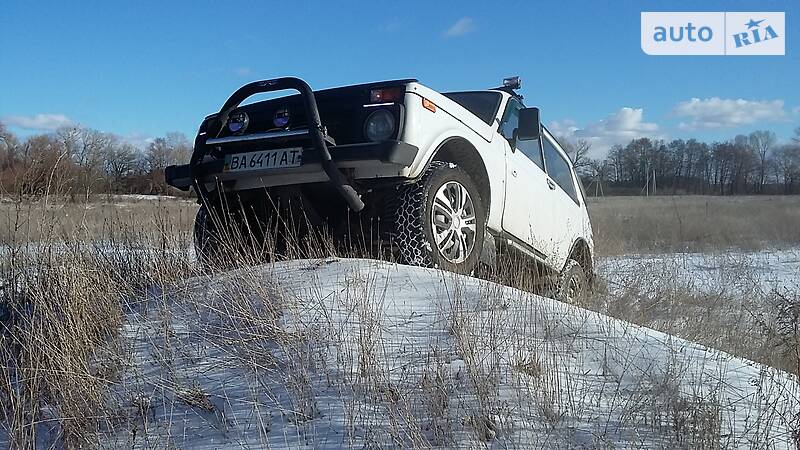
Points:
point(441, 220)
point(572, 283)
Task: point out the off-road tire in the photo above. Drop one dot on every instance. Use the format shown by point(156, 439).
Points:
point(415, 235)
point(572, 285)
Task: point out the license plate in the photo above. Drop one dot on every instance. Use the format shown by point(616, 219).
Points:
point(265, 159)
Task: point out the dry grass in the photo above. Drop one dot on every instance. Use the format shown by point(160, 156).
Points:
point(63, 293)
point(737, 313)
point(107, 344)
point(733, 310)
point(625, 225)
point(53, 219)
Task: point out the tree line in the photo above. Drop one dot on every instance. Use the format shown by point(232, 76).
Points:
point(79, 161)
point(747, 164)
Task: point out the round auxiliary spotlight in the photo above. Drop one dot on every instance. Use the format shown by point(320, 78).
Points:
point(281, 119)
point(237, 122)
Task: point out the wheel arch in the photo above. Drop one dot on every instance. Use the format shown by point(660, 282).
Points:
point(460, 151)
point(582, 253)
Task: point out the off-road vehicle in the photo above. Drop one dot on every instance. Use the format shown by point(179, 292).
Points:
point(446, 180)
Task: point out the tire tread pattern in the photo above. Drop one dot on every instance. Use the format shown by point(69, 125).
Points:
point(412, 198)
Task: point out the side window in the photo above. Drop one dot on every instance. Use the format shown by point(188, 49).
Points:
point(558, 169)
point(532, 150)
point(510, 119)
point(529, 148)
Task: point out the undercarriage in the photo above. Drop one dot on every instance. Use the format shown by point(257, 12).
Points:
point(299, 221)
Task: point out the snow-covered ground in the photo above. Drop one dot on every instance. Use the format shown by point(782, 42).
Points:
point(117, 198)
point(145, 197)
point(728, 271)
point(367, 354)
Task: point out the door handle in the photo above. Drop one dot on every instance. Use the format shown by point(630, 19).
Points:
point(551, 185)
point(514, 173)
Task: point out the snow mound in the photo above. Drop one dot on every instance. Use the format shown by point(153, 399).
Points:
point(367, 354)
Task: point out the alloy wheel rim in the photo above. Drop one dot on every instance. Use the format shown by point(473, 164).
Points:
point(453, 222)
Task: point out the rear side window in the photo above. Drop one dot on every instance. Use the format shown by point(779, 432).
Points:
point(558, 169)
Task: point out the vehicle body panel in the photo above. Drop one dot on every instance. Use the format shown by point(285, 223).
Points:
point(529, 213)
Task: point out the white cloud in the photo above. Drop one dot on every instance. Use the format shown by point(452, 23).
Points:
point(796, 110)
point(564, 127)
point(462, 26)
point(718, 112)
point(243, 71)
point(40, 122)
point(617, 128)
point(139, 140)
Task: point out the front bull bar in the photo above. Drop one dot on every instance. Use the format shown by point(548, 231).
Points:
point(315, 131)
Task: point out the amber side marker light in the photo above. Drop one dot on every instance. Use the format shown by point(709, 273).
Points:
point(429, 105)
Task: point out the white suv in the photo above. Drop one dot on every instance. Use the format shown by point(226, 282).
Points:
point(446, 180)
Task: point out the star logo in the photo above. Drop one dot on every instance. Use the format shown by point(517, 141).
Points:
point(753, 23)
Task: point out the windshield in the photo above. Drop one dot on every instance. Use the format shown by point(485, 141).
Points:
point(482, 104)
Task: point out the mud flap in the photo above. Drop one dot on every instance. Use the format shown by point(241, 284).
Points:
point(489, 250)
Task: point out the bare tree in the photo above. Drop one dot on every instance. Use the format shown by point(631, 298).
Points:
point(787, 166)
point(599, 172)
point(578, 151)
point(762, 141)
point(8, 147)
point(158, 155)
point(47, 168)
point(70, 139)
point(93, 146)
point(87, 148)
point(181, 148)
point(120, 164)
point(162, 152)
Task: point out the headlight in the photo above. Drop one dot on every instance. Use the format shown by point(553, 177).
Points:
point(379, 125)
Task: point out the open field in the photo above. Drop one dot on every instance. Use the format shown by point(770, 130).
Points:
point(112, 337)
point(625, 225)
point(53, 219)
point(622, 225)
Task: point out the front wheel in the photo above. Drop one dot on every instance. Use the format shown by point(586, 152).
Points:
point(207, 242)
point(441, 220)
point(222, 241)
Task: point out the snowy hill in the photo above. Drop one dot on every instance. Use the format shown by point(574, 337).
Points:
point(367, 354)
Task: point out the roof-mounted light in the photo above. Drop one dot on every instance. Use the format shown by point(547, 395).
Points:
point(512, 82)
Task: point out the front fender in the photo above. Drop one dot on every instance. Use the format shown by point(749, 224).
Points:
point(491, 156)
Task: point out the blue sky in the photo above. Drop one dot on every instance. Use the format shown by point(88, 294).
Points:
point(141, 69)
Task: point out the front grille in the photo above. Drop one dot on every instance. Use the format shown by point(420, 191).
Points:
point(341, 110)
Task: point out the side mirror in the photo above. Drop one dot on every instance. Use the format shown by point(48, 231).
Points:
point(530, 126)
